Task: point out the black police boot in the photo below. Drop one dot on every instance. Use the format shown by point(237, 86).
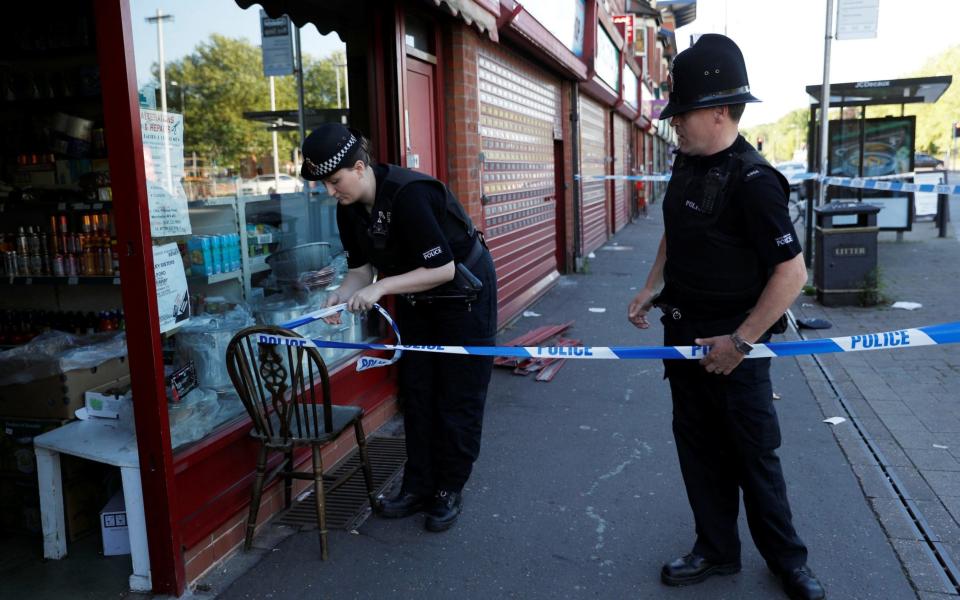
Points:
point(694, 568)
point(403, 504)
point(802, 584)
point(445, 511)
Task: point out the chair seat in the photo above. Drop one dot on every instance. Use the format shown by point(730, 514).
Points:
point(342, 417)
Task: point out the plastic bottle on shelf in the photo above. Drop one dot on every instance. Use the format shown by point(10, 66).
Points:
point(216, 252)
point(23, 246)
point(58, 266)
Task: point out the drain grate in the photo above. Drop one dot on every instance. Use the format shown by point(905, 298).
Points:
point(348, 505)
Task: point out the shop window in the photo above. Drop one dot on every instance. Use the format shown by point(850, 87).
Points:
point(238, 235)
point(418, 33)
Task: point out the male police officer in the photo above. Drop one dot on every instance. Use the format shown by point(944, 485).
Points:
point(730, 265)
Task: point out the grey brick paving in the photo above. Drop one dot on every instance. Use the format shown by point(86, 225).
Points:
point(907, 401)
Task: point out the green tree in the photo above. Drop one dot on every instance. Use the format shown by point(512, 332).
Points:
point(934, 121)
point(223, 78)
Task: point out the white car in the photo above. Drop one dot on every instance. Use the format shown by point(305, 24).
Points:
point(789, 169)
point(268, 184)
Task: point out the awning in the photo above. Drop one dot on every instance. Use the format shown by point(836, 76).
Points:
point(642, 8)
point(333, 15)
point(684, 11)
point(884, 91)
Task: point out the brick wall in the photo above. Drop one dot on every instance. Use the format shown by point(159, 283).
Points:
point(462, 149)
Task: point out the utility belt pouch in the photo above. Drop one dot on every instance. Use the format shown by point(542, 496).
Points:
point(779, 326)
point(465, 287)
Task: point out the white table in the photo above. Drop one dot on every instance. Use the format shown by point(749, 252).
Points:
point(99, 440)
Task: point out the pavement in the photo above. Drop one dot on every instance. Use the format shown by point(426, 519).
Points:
point(577, 492)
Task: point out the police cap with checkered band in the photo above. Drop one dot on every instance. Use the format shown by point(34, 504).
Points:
point(709, 73)
point(328, 148)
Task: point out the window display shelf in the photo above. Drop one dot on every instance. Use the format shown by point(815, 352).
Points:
point(258, 264)
point(227, 201)
point(47, 280)
point(216, 278)
point(56, 206)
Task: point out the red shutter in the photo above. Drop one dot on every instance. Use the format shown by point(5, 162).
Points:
point(593, 204)
point(519, 110)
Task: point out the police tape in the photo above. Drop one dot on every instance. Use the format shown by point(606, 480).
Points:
point(364, 362)
point(872, 183)
point(884, 182)
point(945, 333)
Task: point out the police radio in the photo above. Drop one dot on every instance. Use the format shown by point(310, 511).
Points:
point(713, 184)
point(379, 230)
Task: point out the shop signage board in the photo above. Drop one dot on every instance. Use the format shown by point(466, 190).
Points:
point(162, 135)
point(857, 19)
point(656, 107)
point(607, 61)
point(562, 18)
point(625, 25)
point(277, 43)
point(173, 297)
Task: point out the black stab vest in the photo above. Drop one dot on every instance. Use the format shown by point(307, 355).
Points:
point(377, 239)
point(711, 272)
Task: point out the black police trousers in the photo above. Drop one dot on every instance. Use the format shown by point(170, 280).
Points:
point(726, 431)
point(442, 396)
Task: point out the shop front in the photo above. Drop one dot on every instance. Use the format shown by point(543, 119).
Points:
point(154, 208)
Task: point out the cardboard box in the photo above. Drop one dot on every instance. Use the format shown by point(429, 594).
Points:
point(58, 396)
point(82, 500)
point(113, 527)
point(105, 400)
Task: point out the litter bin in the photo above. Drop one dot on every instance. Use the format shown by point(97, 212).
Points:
point(845, 264)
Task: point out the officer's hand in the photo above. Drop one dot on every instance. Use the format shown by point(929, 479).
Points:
point(723, 357)
point(332, 300)
point(638, 309)
point(364, 298)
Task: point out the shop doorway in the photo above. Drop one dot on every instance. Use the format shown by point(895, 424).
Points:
point(422, 123)
point(421, 117)
point(559, 197)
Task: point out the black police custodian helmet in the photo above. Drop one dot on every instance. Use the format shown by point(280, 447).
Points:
point(327, 149)
point(709, 73)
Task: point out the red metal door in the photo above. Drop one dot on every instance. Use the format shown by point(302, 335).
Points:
point(421, 117)
point(593, 153)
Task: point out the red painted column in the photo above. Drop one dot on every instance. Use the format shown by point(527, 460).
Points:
point(131, 216)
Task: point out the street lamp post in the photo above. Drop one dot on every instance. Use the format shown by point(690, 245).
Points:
point(159, 18)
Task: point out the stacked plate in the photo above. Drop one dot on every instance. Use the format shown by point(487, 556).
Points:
point(316, 280)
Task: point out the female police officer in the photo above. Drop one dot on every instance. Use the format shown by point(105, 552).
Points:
point(411, 232)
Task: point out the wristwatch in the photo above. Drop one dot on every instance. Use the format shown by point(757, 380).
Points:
point(743, 346)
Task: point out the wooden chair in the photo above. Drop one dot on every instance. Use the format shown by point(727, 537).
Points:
point(278, 386)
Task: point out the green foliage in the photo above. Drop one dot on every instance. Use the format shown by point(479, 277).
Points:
point(223, 78)
point(871, 290)
point(782, 138)
point(934, 121)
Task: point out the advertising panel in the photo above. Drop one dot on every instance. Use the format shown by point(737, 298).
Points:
point(887, 149)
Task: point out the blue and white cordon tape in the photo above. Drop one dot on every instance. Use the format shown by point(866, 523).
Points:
point(946, 333)
point(886, 182)
point(363, 363)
